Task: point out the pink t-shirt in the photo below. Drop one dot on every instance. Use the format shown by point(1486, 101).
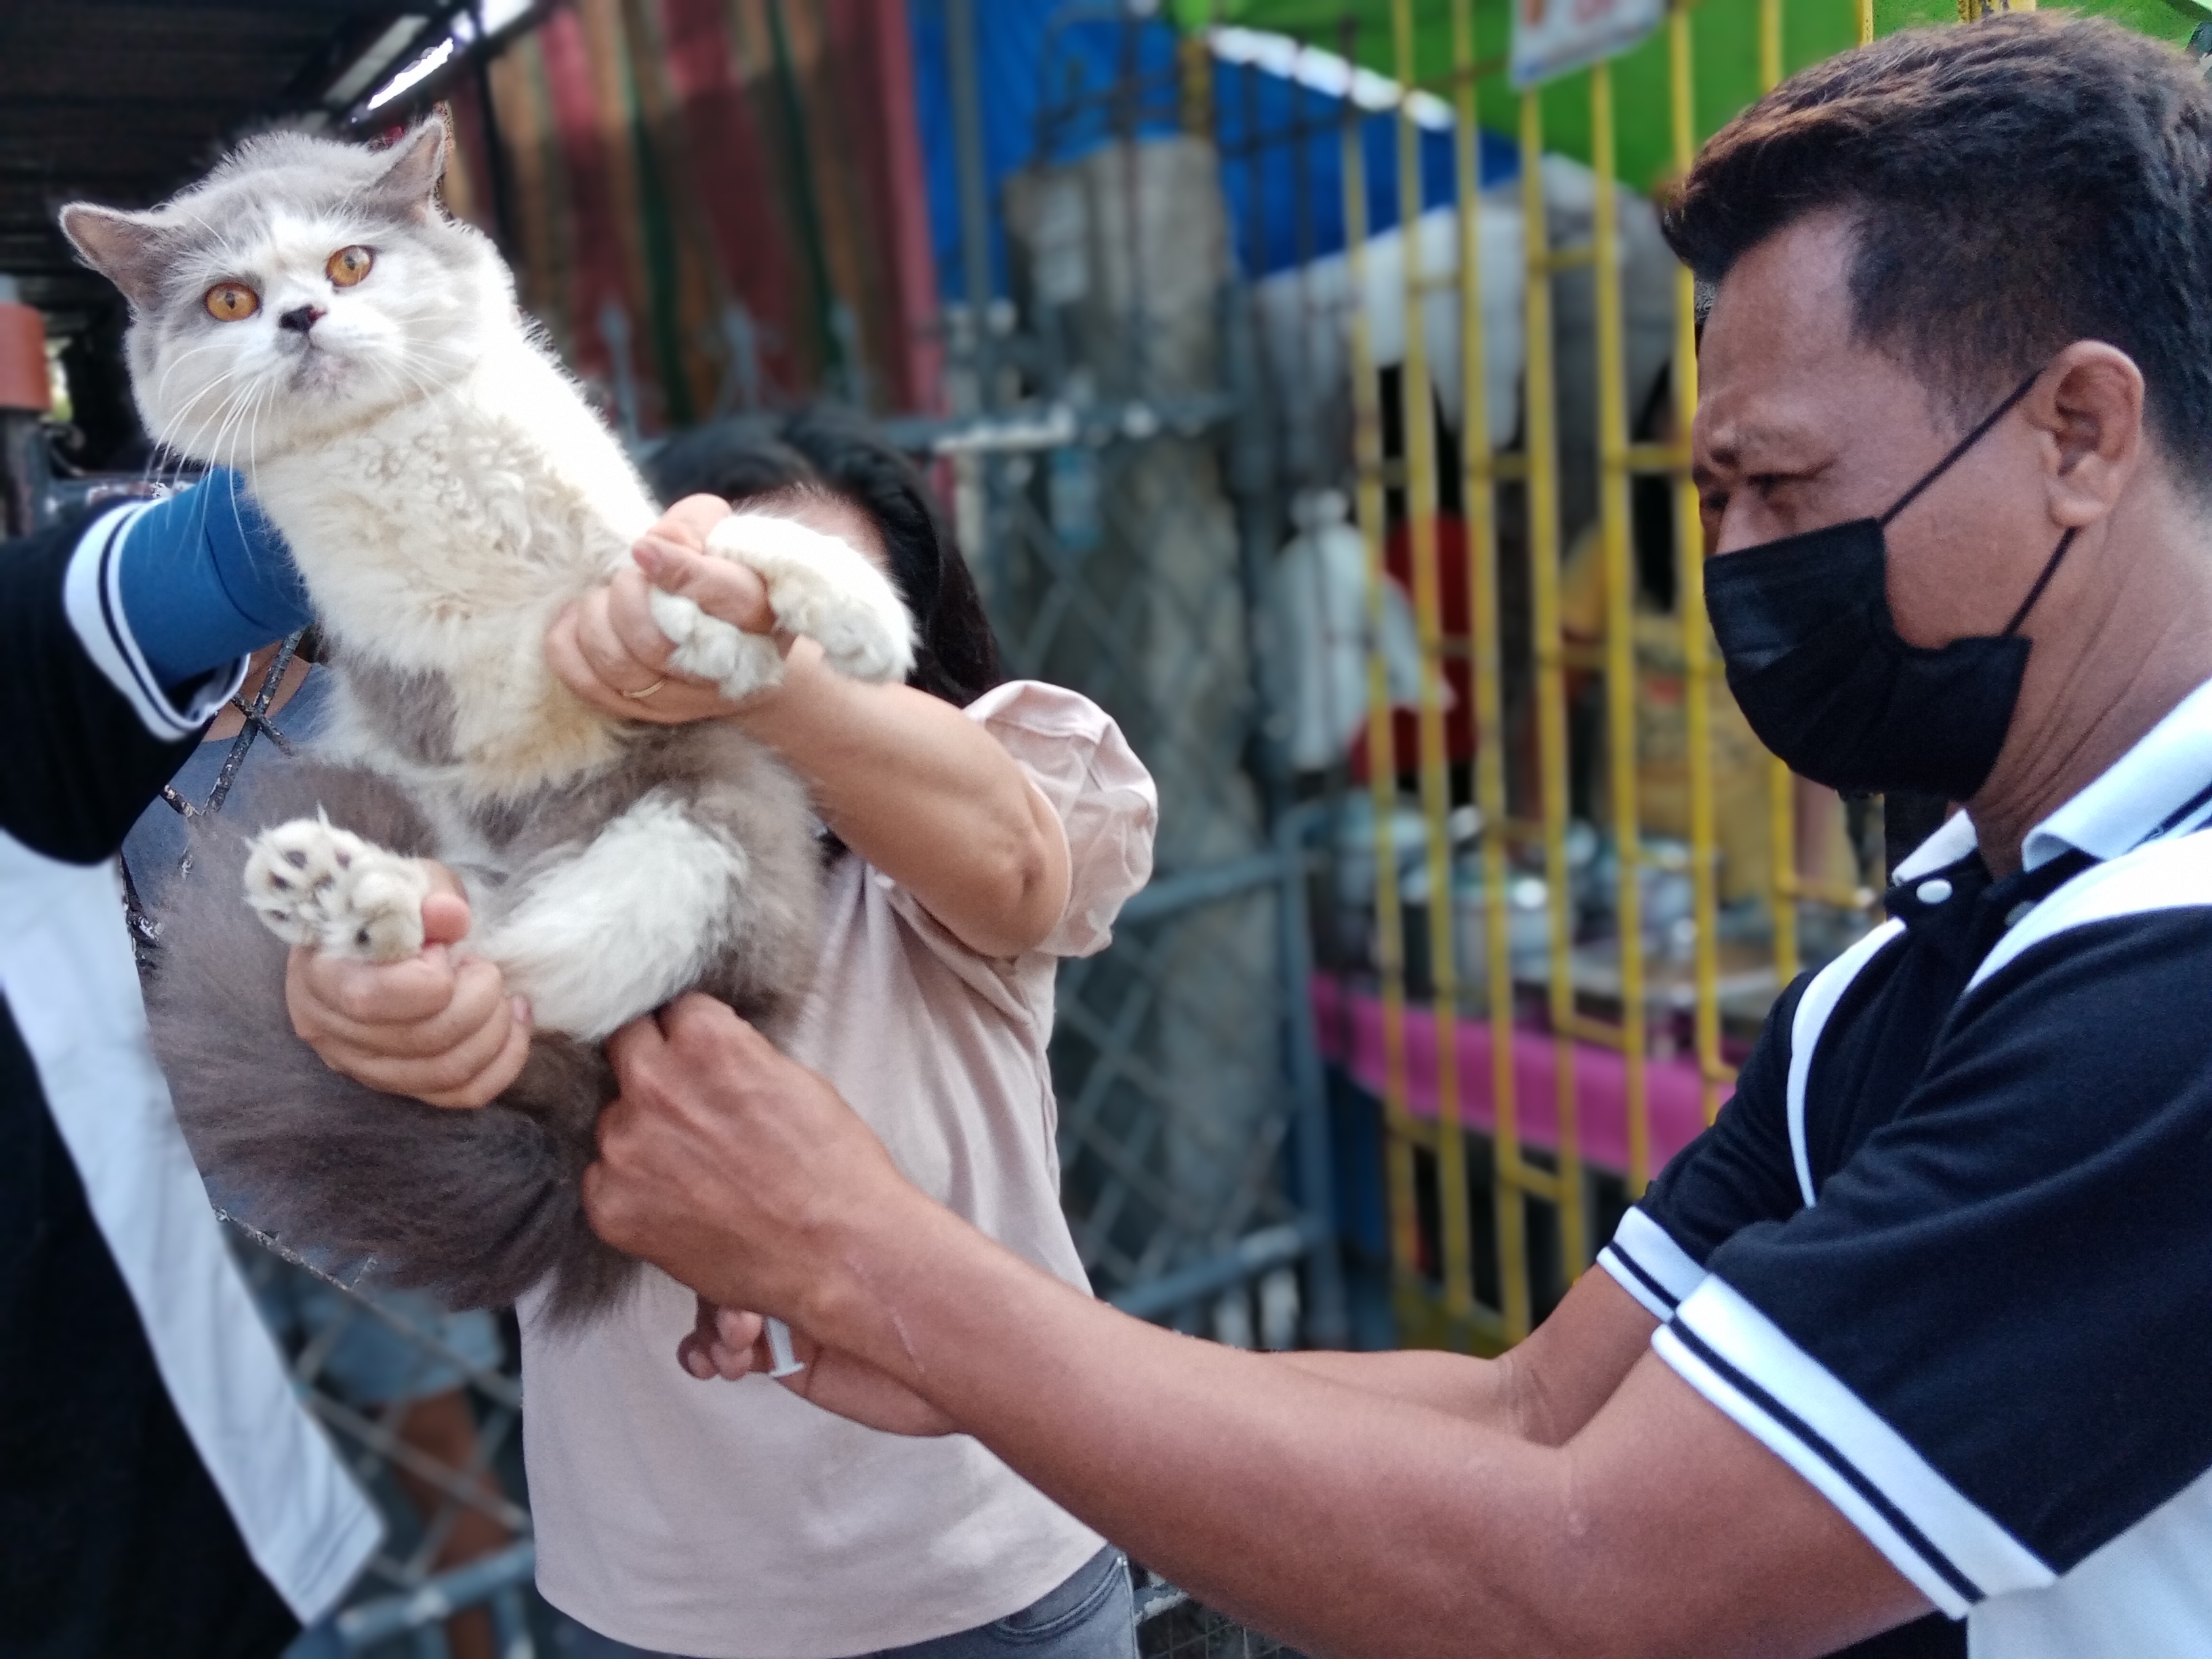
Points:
point(734, 1521)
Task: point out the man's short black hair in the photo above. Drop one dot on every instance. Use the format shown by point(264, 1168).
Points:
point(2015, 184)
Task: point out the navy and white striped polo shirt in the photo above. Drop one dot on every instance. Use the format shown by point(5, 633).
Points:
point(1948, 1252)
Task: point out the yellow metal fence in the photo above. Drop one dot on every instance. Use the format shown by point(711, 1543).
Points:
point(1432, 1182)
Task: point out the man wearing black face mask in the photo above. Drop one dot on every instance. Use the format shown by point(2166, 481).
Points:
point(1908, 1356)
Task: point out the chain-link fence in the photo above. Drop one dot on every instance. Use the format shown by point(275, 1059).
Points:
point(1170, 1625)
point(1117, 492)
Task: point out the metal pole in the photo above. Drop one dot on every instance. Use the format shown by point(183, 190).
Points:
point(1381, 759)
point(1781, 787)
point(1479, 491)
point(1690, 591)
point(974, 185)
point(1620, 632)
point(1551, 686)
point(1418, 423)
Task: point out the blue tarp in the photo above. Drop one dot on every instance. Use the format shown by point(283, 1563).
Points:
point(1046, 70)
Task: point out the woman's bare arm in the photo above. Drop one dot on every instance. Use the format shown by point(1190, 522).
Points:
point(911, 784)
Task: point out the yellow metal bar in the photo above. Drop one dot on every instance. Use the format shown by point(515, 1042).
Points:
point(1542, 424)
point(1690, 593)
point(1667, 459)
point(1479, 472)
point(1381, 762)
point(1781, 831)
point(1419, 424)
point(1781, 787)
point(1534, 1183)
point(1866, 23)
point(1620, 566)
point(1603, 1032)
point(1570, 259)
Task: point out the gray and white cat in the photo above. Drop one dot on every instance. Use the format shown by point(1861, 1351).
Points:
point(308, 314)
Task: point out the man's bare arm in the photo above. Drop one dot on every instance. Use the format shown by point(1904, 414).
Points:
point(1542, 1390)
point(1350, 1522)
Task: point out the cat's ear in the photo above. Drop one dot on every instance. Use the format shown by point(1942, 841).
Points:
point(409, 183)
point(123, 248)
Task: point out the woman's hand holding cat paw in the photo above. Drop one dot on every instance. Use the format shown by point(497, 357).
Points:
point(440, 1027)
point(616, 650)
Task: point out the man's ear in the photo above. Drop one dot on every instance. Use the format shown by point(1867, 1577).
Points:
point(2093, 417)
point(123, 248)
point(409, 181)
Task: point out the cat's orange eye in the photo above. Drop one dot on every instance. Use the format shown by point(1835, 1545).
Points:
point(348, 265)
point(232, 302)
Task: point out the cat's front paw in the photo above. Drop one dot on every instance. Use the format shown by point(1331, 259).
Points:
point(311, 883)
point(708, 648)
point(820, 587)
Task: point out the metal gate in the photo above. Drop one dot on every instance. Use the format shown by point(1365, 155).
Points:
point(1551, 998)
point(1115, 496)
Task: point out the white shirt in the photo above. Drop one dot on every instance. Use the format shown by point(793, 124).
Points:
point(734, 1521)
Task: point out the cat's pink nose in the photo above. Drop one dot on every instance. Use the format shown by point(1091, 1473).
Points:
point(301, 318)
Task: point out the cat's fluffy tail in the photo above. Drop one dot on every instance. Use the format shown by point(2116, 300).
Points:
point(474, 1207)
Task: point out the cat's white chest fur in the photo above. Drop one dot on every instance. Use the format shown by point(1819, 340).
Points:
point(443, 536)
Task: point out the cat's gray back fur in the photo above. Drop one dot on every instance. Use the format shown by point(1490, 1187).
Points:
point(477, 1205)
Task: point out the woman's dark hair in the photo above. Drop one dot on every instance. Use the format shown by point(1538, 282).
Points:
point(956, 655)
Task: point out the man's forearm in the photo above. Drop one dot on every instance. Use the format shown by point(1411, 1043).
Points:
point(1352, 1522)
point(1471, 1389)
point(1343, 1520)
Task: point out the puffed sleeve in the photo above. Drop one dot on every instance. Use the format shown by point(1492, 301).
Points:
point(1076, 757)
point(1077, 760)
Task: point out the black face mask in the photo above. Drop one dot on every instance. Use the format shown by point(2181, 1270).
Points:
point(1814, 660)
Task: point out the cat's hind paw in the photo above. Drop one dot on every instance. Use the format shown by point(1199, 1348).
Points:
point(311, 883)
point(819, 587)
point(708, 648)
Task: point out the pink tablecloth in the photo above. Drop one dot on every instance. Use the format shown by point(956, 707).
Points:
point(1350, 1024)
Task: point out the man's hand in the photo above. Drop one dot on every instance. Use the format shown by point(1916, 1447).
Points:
point(441, 1028)
point(731, 1345)
point(606, 647)
point(736, 1171)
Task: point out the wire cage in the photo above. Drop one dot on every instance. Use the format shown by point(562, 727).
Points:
point(1116, 495)
point(1561, 882)
point(1170, 1625)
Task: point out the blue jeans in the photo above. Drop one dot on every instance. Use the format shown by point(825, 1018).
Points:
point(1090, 1616)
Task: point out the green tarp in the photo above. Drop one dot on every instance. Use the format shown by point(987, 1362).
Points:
point(1725, 35)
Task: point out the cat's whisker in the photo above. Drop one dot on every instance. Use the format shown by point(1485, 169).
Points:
point(213, 417)
point(236, 409)
point(162, 386)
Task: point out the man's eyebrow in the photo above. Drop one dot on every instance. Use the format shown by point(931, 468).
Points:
point(1781, 443)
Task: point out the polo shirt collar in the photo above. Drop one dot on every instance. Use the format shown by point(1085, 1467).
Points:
point(2162, 784)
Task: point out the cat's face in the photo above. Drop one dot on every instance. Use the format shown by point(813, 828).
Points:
point(302, 288)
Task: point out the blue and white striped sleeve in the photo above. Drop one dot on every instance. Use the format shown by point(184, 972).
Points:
point(169, 597)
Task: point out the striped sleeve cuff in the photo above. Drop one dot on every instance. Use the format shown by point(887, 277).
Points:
point(1953, 1550)
point(1651, 1266)
point(92, 595)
